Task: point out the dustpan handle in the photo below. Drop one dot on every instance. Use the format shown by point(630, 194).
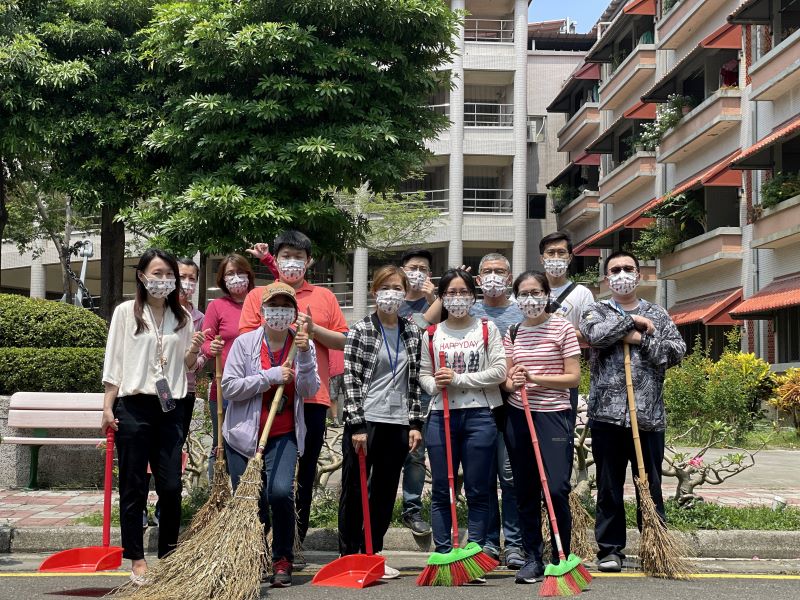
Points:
point(107, 487)
point(362, 469)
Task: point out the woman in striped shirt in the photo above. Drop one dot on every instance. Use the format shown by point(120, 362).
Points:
point(543, 354)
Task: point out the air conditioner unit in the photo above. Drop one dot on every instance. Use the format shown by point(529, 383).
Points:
point(536, 130)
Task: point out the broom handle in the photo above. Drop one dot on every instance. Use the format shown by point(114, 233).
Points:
point(107, 487)
point(523, 392)
point(637, 444)
point(273, 408)
point(362, 470)
point(220, 450)
point(449, 454)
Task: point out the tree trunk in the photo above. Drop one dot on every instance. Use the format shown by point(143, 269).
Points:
point(112, 261)
point(66, 252)
point(3, 209)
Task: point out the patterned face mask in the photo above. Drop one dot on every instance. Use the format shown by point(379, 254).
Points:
point(623, 283)
point(159, 288)
point(236, 284)
point(292, 269)
point(532, 307)
point(389, 301)
point(556, 267)
point(493, 285)
point(416, 279)
point(458, 306)
point(188, 287)
point(278, 318)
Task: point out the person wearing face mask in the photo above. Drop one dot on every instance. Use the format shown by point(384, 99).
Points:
point(655, 345)
point(382, 412)
point(151, 346)
point(257, 364)
point(542, 353)
point(474, 367)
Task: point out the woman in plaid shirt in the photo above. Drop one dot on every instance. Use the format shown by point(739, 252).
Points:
point(382, 411)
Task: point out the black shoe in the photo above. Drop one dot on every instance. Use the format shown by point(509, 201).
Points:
point(609, 564)
point(417, 526)
point(513, 558)
point(531, 572)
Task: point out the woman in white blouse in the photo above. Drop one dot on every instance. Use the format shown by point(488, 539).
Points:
point(150, 347)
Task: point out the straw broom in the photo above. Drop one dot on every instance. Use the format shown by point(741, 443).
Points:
point(224, 560)
point(660, 552)
point(581, 522)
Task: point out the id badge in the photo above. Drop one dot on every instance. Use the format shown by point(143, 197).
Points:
point(396, 399)
point(165, 395)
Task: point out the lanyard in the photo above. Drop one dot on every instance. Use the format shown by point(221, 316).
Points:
point(392, 366)
point(159, 331)
point(272, 360)
point(616, 306)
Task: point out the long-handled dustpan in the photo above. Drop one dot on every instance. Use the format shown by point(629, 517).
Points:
point(355, 570)
point(91, 558)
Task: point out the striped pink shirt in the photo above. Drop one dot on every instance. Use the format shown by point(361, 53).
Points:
point(542, 349)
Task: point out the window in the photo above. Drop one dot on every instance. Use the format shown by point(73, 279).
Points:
point(711, 337)
point(787, 334)
point(537, 206)
point(536, 125)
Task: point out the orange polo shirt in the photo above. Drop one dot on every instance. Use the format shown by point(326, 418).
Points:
point(324, 310)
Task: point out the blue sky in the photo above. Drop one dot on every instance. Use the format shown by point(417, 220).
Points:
point(585, 12)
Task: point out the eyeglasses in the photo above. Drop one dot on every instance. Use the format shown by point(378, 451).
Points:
point(421, 269)
point(501, 272)
point(618, 270)
point(533, 294)
point(556, 253)
point(458, 294)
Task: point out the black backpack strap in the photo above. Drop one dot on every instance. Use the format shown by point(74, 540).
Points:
point(554, 305)
point(513, 332)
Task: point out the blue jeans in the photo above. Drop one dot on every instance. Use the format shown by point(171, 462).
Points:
point(510, 515)
point(473, 433)
point(414, 471)
point(277, 494)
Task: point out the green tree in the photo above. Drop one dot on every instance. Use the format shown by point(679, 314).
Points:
point(268, 103)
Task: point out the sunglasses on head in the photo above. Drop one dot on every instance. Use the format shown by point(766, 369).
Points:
point(626, 268)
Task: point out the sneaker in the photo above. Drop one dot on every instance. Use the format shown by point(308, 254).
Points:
point(610, 564)
point(531, 572)
point(477, 581)
point(492, 552)
point(389, 572)
point(514, 558)
point(281, 574)
point(416, 524)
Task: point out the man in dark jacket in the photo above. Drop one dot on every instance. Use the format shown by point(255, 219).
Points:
point(655, 345)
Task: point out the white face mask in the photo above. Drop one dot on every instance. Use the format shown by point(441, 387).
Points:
point(236, 284)
point(159, 288)
point(292, 269)
point(623, 283)
point(458, 306)
point(532, 307)
point(556, 267)
point(416, 279)
point(493, 285)
point(278, 318)
point(188, 287)
point(389, 301)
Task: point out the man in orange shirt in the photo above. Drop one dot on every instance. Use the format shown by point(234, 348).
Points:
point(319, 309)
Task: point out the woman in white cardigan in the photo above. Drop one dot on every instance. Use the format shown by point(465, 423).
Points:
point(474, 367)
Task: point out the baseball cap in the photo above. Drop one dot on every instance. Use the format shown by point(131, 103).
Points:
point(279, 289)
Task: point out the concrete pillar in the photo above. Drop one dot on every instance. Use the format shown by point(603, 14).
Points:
point(360, 282)
point(456, 249)
point(38, 278)
point(339, 280)
point(520, 176)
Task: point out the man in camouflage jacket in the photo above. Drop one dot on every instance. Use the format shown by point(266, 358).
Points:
point(655, 345)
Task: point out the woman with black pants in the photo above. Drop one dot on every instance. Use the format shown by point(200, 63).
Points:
point(150, 347)
point(382, 411)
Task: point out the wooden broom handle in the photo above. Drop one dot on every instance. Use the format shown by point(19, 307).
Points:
point(220, 412)
point(637, 444)
point(273, 407)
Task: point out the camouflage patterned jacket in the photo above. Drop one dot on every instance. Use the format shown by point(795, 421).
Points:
point(604, 326)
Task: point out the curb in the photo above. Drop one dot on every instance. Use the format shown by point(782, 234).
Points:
point(703, 543)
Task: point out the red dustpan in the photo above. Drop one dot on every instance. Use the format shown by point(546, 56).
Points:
point(91, 558)
point(355, 570)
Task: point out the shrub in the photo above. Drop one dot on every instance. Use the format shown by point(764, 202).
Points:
point(685, 388)
point(33, 323)
point(781, 187)
point(787, 396)
point(51, 370)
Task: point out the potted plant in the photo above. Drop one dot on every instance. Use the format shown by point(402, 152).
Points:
point(781, 187)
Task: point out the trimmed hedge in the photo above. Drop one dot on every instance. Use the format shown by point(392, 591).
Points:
point(51, 370)
point(34, 323)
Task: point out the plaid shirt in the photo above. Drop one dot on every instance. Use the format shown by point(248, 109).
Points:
point(364, 341)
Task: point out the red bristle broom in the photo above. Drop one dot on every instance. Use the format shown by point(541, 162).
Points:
point(569, 577)
point(460, 565)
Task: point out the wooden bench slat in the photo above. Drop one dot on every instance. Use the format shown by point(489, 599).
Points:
point(73, 419)
point(45, 441)
point(56, 401)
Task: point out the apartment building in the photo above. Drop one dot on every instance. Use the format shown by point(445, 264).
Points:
point(696, 129)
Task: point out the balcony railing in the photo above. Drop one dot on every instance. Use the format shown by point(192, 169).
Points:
point(487, 114)
point(489, 30)
point(488, 201)
point(438, 199)
point(440, 109)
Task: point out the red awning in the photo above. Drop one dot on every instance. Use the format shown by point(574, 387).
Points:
point(586, 159)
point(640, 7)
point(588, 252)
point(727, 37)
point(722, 175)
point(709, 310)
point(632, 220)
point(641, 111)
point(751, 159)
point(590, 71)
point(783, 292)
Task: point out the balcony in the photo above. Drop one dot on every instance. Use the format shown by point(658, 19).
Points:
point(488, 114)
point(493, 31)
point(489, 141)
point(708, 251)
point(778, 226)
point(778, 71)
point(639, 170)
point(718, 113)
point(583, 208)
point(580, 129)
point(436, 199)
point(680, 25)
point(488, 201)
point(631, 78)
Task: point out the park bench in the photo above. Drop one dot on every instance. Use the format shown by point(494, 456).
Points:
point(44, 411)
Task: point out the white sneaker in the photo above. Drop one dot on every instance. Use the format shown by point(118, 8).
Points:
point(389, 572)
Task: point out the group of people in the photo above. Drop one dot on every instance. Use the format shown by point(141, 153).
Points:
point(421, 340)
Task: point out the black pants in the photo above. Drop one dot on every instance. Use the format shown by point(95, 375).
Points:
point(555, 441)
point(307, 466)
point(188, 412)
point(612, 448)
point(387, 448)
point(148, 434)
